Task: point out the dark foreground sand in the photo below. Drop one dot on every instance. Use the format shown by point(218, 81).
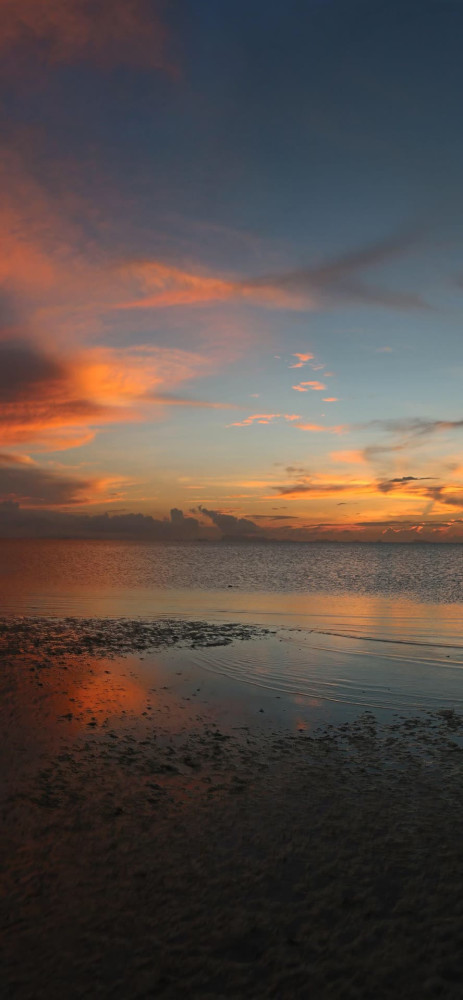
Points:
point(140, 861)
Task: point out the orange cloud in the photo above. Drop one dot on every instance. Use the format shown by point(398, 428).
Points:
point(105, 32)
point(64, 286)
point(9, 458)
point(24, 482)
point(352, 456)
point(331, 399)
point(41, 262)
point(64, 283)
point(324, 488)
point(305, 386)
point(265, 418)
point(58, 404)
point(320, 428)
point(302, 360)
point(164, 285)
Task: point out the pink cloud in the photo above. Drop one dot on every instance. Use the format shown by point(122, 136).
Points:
point(302, 360)
point(320, 428)
point(265, 418)
point(305, 386)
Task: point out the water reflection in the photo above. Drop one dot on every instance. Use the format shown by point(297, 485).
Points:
point(289, 680)
point(374, 649)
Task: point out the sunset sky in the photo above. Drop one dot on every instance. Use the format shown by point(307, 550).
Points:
point(231, 268)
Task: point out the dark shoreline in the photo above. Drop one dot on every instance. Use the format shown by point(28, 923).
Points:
point(150, 854)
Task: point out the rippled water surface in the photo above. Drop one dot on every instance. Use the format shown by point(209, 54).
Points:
point(377, 625)
point(427, 573)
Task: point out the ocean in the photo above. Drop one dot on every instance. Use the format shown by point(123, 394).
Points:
point(372, 626)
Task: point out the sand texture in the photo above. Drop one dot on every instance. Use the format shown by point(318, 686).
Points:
point(141, 859)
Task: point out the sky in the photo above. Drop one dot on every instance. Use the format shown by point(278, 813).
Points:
point(231, 269)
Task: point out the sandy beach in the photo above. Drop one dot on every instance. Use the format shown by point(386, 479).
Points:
point(154, 847)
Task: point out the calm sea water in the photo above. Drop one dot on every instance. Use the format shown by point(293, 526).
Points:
point(425, 573)
point(363, 624)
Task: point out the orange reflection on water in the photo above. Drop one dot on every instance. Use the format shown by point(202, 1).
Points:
point(104, 692)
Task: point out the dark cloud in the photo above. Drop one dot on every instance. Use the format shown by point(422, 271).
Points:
point(7, 458)
point(25, 485)
point(31, 485)
point(374, 451)
point(410, 431)
point(229, 524)
point(450, 499)
point(17, 522)
point(43, 400)
point(411, 531)
point(336, 279)
point(296, 470)
point(183, 527)
point(314, 488)
point(25, 372)
point(273, 517)
point(414, 427)
point(391, 484)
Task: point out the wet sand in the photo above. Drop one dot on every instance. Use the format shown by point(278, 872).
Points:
point(152, 847)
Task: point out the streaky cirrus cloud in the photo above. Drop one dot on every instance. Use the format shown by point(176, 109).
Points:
point(106, 33)
point(402, 489)
point(336, 279)
point(380, 451)
point(416, 426)
point(323, 489)
point(328, 284)
point(400, 481)
point(272, 517)
point(407, 433)
point(60, 284)
point(445, 495)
